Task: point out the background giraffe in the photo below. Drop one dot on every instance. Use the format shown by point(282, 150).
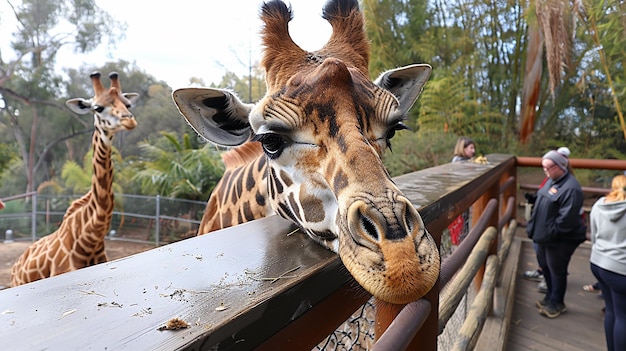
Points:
point(79, 241)
point(311, 151)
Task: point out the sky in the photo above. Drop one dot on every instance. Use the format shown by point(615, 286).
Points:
point(176, 40)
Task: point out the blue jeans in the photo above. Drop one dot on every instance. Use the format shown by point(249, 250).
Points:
point(613, 288)
point(553, 259)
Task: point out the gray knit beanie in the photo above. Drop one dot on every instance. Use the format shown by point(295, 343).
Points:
point(557, 158)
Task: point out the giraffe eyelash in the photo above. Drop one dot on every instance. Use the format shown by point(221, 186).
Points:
point(273, 144)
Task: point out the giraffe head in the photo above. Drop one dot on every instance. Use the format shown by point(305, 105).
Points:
point(109, 106)
point(323, 126)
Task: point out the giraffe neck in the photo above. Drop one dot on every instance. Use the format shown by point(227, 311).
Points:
point(102, 197)
point(241, 194)
point(93, 212)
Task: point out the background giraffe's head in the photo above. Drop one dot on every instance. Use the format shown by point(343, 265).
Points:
point(109, 106)
point(324, 125)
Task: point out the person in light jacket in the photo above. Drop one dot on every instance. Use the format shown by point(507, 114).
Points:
point(608, 259)
point(557, 229)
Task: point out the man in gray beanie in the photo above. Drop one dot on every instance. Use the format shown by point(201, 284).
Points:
point(557, 228)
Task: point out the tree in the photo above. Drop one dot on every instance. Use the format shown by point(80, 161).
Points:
point(249, 89)
point(178, 169)
point(398, 35)
point(29, 87)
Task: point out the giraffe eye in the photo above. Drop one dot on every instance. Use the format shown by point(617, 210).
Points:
point(273, 144)
point(98, 108)
point(392, 132)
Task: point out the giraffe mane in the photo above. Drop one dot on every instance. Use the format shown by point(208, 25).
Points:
point(242, 155)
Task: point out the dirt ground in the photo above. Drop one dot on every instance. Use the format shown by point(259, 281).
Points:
point(10, 252)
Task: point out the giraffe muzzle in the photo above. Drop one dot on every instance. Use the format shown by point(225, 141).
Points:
point(388, 250)
point(128, 123)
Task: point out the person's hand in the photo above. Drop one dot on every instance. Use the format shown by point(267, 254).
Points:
point(530, 198)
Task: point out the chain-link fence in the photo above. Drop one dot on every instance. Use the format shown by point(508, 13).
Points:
point(147, 219)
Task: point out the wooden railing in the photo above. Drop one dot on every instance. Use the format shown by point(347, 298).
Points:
point(263, 286)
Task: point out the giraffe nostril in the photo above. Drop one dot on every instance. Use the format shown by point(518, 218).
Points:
point(368, 226)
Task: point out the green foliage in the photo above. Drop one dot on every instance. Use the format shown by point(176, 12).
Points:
point(395, 29)
point(77, 179)
point(8, 152)
point(176, 169)
point(413, 151)
point(13, 180)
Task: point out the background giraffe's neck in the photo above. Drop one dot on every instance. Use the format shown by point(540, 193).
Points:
point(102, 180)
point(94, 210)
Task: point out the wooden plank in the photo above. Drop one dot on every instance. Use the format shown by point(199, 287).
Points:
point(207, 281)
point(496, 329)
point(580, 328)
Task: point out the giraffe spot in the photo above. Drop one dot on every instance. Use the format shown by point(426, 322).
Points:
point(340, 182)
point(261, 164)
point(228, 179)
point(260, 199)
point(247, 212)
point(250, 181)
point(276, 181)
point(239, 187)
point(227, 218)
point(239, 217)
point(342, 144)
point(285, 178)
point(313, 208)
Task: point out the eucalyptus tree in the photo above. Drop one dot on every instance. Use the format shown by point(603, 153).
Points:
point(398, 36)
point(29, 86)
point(474, 47)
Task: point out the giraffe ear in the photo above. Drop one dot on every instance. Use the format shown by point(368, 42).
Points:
point(132, 97)
point(79, 105)
point(406, 83)
point(217, 115)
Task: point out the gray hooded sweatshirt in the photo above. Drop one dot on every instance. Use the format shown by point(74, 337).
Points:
point(608, 235)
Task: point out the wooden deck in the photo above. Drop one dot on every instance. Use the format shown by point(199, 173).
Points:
point(580, 328)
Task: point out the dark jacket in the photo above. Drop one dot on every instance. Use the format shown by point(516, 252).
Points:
point(557, 213)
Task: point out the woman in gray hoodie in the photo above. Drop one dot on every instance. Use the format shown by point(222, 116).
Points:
point(608, 259)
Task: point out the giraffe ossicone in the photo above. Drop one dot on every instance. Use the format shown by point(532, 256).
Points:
point(79, 240)
point(310, 150)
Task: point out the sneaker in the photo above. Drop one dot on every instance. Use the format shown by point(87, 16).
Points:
point(535, 275)
point(542, 287)
point(541, 304)
point(552, 311)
